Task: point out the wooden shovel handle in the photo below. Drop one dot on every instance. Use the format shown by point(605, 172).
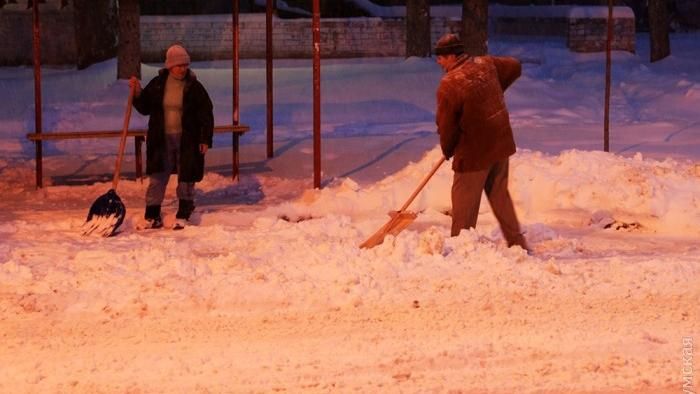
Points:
point(422, 184)
point(122, 142)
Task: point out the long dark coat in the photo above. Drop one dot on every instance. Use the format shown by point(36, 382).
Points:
point(197, 126)
point(472, 118)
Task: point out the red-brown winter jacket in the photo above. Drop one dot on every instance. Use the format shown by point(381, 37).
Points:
point(472, 118)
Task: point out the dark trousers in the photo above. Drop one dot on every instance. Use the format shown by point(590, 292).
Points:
point(466, 198)
point(158, 182)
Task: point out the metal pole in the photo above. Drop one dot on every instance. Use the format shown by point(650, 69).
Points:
point(316, 30)
point(36, 45)
point(236, 63)
point(235, 87)
point(268, 62)
point(608, 68)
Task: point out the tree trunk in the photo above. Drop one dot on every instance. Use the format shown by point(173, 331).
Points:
point(95, 31)
point(418, 28)
point(475, 14)
point(658, 30)
point(129, 47)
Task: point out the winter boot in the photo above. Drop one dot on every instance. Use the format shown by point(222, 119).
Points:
point(184, 211)
point(152, 216)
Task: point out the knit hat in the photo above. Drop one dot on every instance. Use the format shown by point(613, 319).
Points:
point(449, 44)
point(176, 56)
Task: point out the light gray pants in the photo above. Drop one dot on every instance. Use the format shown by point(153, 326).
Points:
point(466, 198)
point(157, 182)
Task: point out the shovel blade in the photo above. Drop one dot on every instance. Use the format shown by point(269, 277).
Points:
point(398, 222)
point(105, 215)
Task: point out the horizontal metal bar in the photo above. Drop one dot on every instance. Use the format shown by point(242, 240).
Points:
point(66, 135)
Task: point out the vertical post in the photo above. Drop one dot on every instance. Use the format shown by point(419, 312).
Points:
point(36, 46)
point(235, 87)
point(316, 30)
point(608, 67)
point(268, 66)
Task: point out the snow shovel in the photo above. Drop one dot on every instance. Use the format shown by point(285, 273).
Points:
point(107, 212)
point(399, 219)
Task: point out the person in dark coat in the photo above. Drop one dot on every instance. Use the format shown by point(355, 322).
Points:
point(475, 132)
point(180, 130)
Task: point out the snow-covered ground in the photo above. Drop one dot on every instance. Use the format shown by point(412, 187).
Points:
point(268, 291)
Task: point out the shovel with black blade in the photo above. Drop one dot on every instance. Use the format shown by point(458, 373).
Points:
point(400, 219)
point(107, 212)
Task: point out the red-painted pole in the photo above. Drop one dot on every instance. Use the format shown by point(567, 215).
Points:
point(608, 72)
point(268, 63)
point(316, 29)
point(36, 45)
point(236, 63)
point(235, 87)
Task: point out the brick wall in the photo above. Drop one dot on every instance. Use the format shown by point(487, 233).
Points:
point(209, 36)
point(588, 30)
point(545, 20)
point(590, 35)
point(530, 26)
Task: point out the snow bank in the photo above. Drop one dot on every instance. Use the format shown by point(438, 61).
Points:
point(304, 253)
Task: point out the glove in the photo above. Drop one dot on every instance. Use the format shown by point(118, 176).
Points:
point(448, 154)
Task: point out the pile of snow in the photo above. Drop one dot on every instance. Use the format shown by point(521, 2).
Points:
point(267, 289)
point(304, 253)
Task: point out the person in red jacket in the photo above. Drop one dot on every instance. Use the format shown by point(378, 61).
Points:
point(475, 132)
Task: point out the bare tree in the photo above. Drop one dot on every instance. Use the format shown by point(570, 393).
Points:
point(658, 30)
point(475, 14)
point(129, 48)
point(418, 28)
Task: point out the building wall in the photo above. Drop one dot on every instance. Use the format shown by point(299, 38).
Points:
point(77, 32)
point(209, 36)
point(588, 28)
point(590, 35)
point(57, 42)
